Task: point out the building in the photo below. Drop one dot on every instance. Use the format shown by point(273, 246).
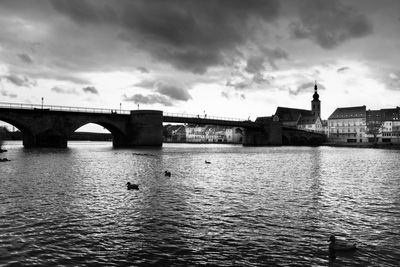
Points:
point(383, 125)
point(234, 135)
point(310, 123)
point(309, 120)
point(213, 134)
point(195, 134)
point(347, 125)
point(179, 134)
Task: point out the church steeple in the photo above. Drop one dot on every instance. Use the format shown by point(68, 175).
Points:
point(315, 95)
point(316, 103)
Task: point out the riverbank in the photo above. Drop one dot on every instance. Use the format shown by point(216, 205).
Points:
point(365, 145)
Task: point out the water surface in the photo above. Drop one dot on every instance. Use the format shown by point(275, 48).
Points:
point(252, 206)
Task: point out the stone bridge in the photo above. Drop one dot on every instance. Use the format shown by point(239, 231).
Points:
point(51, 126)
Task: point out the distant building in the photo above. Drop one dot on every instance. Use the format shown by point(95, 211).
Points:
point(213, 134)
point(234, 135)
point(348, 125)
point(325, 127)
point(384, 125)
point(195, 134)
point(179, 134)
point(309, 120)
point(310, 123)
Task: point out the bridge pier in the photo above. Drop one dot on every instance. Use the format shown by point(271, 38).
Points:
point(270, 134)
point(144, 129)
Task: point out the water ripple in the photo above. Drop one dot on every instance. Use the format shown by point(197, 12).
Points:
point(250, 207)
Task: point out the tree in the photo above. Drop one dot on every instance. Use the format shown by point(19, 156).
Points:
point(374, 127)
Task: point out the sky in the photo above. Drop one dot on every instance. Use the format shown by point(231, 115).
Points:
point(230, 58)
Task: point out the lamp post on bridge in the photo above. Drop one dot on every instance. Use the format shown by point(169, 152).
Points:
point(120, 107)
point(42, 102)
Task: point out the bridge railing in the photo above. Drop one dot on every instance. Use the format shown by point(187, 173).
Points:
point(108, 111)
point(193, 116)
point(62, 108)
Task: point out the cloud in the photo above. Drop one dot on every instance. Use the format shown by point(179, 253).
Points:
point(225, 95)
point(146, 84)
point(305, 87)
point(191, 35)
point(392, 81)
point(173, 92)
point(148, 99)
point(239, 84)
point(21, 81)
point(255, 64)
point(7, 94)
point(342, 69)
point(60, 90)
point(143, 70)
point(329, 23)
point(25, 58)
point(90, 90)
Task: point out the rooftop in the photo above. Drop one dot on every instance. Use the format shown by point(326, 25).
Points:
point(348, 113)
point(292, 114)
point(308, 120)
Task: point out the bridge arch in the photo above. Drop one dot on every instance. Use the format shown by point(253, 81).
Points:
point(27, 135)
point(117, 133)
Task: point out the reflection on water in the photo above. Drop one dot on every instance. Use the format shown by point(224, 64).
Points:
point(257, 206)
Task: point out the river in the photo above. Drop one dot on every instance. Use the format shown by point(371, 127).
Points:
point(252, 206)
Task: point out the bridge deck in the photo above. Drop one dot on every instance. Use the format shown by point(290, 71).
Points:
point(167, 117)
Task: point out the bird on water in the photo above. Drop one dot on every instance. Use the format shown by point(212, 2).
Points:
point(130, 186)
point(339, 245)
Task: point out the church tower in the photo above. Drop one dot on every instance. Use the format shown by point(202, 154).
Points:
point(315, 103)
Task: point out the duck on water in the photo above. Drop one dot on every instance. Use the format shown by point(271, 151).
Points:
point(339, 245)
point(130, 186)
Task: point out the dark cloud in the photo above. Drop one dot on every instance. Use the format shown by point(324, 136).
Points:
point(25, 58)
point(305, 87)
point(90, 90)
point(60, 90)
point(60, 77)
point(255, 64)
point(258, 78)
point(173, 92)
point(146, 84)
point(342, 69)
point(148, 99)
point(274, 54)
point(191, 35)
point(7, 94)
point(21, 81)
point(143, 70)
point(330, 23)
point(83, 11)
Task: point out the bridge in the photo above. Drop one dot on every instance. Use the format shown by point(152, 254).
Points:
point(51, 126)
